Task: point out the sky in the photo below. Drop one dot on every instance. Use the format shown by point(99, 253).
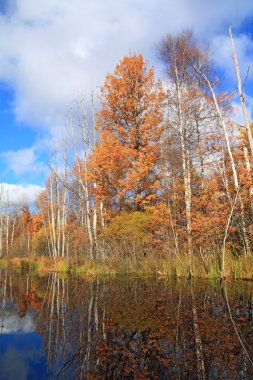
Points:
point(54, 51)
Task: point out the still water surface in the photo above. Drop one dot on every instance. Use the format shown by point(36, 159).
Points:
point(54, 327)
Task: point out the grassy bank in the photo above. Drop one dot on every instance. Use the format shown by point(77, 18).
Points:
point(82, 267)
point(236, 268)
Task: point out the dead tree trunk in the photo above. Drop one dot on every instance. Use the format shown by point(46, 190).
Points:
point(241, 94)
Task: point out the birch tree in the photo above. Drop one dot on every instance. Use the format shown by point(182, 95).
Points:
point(242, 94)
point(206, 81)
point(178, 54)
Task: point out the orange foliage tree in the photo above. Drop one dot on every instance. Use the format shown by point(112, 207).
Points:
point(124, 163)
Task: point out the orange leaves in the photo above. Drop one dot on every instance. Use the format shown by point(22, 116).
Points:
point(107, 165)
point(35, 224)
point(131, 102)
point(124, 163)
point(210, 213)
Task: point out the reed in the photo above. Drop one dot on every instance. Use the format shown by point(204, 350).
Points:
point(174, 266)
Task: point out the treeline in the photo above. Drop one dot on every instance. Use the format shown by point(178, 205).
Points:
point(160, 170)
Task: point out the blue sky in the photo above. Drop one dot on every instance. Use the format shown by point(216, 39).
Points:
point(55, 50)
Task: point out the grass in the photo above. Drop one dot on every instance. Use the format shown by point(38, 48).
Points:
point(91, 269)
point(29, 266)
point(3, 263)
point(242, 268)
point(236, 268)
point(214, 270)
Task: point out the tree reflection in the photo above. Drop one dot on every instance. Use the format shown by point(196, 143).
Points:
point(134, 328)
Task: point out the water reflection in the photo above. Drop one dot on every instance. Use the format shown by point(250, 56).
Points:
point(125, 328)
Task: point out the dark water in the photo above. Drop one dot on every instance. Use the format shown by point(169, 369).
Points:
point(55, 327)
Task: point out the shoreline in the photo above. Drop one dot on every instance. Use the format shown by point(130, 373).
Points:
point(236, 269)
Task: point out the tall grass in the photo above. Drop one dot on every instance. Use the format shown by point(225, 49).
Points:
point(3, 263)
point(174, 266)
point(29, 266)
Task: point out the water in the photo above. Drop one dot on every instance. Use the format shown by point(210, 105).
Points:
point(54, 327)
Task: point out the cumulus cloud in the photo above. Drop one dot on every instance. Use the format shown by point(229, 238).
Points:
point(24, 161)
point(52, 51)
point(221, 50)
point(18, 194)
point(55, 50)
point(222, 53)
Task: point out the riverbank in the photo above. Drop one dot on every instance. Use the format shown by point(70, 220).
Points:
point(235, 268)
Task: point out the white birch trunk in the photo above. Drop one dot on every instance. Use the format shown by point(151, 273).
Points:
point(232, 162)
point(185, 165)
point(241, 94)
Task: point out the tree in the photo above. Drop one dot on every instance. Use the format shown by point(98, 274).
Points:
point(242, 95)
point(179, 53)
point(124, 162)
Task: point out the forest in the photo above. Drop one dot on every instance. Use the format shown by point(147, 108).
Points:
point(155, 175)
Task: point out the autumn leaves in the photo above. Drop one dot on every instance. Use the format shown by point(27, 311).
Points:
point(161, 168)
point(172, 147)
point(124, 162)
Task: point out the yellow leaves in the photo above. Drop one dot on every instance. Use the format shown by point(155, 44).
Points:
point(134, 227)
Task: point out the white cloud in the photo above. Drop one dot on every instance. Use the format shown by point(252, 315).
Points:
point(237, 113)
point(18, 354)
point(23, 161)
point(54, 50)
point(222, 53)
point(13, 324)
point(237, 110)
point(19, 193)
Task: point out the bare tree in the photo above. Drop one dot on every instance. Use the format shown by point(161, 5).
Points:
point(186, 103)
point(242, 95)
point(205, 79)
